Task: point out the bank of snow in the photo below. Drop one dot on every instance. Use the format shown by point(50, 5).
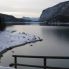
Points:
point(2, 67)
point(12, 39)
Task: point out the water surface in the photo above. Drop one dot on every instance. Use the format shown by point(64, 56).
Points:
point(55, 43)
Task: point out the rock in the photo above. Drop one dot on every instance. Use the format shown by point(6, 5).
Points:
point(2, 26)
point(31, 45)
point(57, 13)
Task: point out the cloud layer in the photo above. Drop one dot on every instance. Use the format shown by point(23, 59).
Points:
point(29, 7)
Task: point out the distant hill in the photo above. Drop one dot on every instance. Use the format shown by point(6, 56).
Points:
point(9, 19)
point(56, 15)
point(32, 19)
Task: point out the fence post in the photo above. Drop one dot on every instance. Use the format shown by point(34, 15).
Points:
point(44, 63)
point(15, 62)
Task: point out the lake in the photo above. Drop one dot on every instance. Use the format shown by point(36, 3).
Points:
point(55, 43)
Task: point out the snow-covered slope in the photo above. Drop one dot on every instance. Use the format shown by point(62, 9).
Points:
point(12, 39)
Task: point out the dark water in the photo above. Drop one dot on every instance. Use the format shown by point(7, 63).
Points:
point(55, 43)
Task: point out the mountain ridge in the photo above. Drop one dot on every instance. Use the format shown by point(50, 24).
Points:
point(57, 13)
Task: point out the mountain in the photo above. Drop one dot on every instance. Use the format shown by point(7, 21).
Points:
point(58, 14)
point(9, 19)
point(31, 19)
point(28, 19)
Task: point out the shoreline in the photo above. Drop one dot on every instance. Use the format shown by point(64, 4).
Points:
point(5, 50)
point(13, 39)
point(40, 24)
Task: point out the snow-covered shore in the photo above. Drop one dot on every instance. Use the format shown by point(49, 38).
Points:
point(2, 67)
point(12, 39)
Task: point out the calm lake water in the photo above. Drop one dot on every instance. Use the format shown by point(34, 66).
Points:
point(55, 43)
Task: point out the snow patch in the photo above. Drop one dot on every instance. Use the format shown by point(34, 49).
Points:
point(13, 38)
point(2, 67)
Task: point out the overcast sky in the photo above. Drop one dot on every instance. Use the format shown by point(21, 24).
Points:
point(31, 8)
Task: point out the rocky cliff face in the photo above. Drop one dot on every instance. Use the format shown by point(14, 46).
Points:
point(59, 12)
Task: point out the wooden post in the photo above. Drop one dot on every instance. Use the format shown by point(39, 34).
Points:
point(44, 63)
point(15, 62)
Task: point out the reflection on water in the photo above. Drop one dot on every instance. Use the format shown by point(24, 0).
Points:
point(55, 43)
point(60, 33)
